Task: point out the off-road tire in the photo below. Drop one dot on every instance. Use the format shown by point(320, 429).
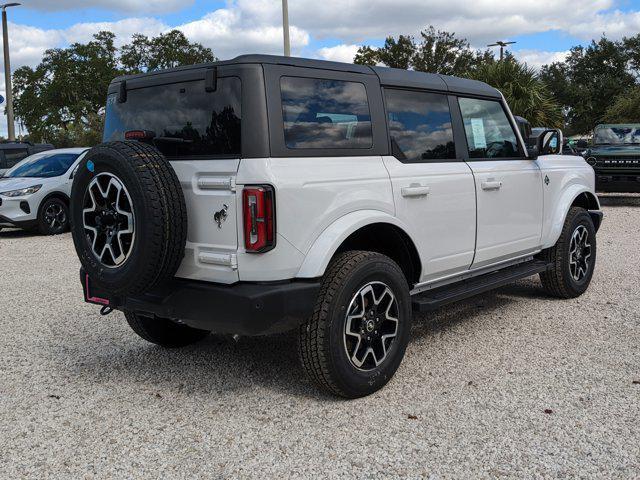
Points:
point(558, 281)
point(159, 210)
point(45, 228)
point(164, 332)
point(320, 343)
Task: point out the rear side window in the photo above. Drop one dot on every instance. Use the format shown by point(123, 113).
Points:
point(181, 119)
point(419, 126)
point(489, 132)
point(327, 114)
point(13, 156)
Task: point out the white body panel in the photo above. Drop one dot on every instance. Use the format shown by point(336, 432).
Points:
point(10, 207)
point(437, 202)
point(509, 202)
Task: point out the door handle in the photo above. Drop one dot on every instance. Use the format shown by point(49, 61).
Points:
point(491, 185)
point(415, 190)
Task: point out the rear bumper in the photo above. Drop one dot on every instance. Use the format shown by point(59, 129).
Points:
point(608, 182)
point(243, 308)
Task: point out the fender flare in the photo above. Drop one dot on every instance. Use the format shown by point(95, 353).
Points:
point(556, 221)
point(317, 258)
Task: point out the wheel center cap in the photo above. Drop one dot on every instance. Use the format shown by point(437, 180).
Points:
point(370, 326)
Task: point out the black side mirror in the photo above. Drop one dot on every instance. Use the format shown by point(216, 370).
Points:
point(550, 142)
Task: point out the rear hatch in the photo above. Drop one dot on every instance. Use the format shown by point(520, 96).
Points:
point(197, 128)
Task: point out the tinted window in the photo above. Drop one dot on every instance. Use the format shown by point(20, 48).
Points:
point(325, 113)
point(44, 165)
point(419, 126)
point(13, 156)
point(181, 119)
point(489, 133)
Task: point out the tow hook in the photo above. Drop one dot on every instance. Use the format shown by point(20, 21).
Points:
point(105, 310)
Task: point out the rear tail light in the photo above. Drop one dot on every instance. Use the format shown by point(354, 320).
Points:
point(258, 209)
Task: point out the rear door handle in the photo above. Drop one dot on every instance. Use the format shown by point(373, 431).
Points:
point(415, 190)
point(491, 185)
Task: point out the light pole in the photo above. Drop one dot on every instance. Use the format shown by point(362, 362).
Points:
point(11, 128)
point(285, 27)
point(502, 46)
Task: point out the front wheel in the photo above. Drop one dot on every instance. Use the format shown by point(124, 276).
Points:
point(53, 217)
point(357, 336)
point(572, 258)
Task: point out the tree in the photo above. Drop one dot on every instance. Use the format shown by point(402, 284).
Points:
point(437, 52)
point(525, 93)
point(587, 81)
point(167, 50)
point(625, 108)
point(60, 100)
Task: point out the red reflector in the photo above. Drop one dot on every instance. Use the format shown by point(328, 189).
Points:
point(138, 135)
point(258, 211)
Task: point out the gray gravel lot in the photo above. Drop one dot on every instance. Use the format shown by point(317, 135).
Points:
point(82, 396)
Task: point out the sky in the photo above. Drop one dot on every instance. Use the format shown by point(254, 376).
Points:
point(331, 29)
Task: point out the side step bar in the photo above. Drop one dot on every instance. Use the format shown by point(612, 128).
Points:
point(436, 298)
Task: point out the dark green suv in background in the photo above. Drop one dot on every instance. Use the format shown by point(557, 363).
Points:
point(615, 157)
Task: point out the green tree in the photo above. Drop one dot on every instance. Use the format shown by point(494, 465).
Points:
point(587, 81)
point(167, 50)
point(60, 101)
point(525, 93)
point(625, 108)
point(437, 52)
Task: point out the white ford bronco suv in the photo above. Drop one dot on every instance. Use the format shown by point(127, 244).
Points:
point(266, 194)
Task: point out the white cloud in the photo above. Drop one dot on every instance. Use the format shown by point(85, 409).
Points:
point(130, 6)
point(339, 53)
point(537, 58)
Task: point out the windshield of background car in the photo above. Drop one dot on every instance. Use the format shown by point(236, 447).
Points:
point(181, 119)
point(617, 135)
point(43, 165)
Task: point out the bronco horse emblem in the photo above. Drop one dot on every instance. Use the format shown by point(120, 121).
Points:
point(221, 216)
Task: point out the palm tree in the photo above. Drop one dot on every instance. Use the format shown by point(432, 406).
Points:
point(525, 93)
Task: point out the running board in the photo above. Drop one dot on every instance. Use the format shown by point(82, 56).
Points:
point(436, 298)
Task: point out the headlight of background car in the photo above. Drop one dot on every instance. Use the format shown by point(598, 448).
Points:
point(22, 192)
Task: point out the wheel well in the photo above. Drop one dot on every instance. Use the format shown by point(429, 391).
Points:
point(586, 200)
point(589, 202)
point(58, 195)
point(388, 240)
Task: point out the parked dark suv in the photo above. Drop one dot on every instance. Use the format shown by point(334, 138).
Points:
point(12, 152)
point(615, 157)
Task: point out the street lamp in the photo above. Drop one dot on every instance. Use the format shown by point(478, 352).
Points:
point(285, 28)
point(502, 46)
point(11, 129)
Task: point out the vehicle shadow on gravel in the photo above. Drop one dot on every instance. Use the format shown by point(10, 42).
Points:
point(220, 367)
point(619, 201)
point(16, 233)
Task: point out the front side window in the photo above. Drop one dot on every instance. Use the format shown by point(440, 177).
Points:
point(180, 119)
point(327, 114)
point(419, 126)
point(489, 133)
point(43, 165)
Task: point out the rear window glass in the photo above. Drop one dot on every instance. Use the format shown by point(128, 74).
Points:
point(420, 126)
point(327, 114)
point(181, 119)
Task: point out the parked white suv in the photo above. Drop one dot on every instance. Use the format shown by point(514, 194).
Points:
point(265, 194)
point(34, 194)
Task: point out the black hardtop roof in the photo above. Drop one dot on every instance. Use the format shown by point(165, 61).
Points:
point(388, 76)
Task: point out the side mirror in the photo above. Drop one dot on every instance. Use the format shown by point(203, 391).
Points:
point(550, 142)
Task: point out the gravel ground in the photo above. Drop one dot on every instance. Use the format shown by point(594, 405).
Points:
point(510, 384)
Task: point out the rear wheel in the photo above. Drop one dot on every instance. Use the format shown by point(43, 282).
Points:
point(357, 336)
point(572, 258)
point(53, 217)
point(164, 332)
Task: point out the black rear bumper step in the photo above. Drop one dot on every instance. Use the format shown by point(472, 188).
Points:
point(438, 297)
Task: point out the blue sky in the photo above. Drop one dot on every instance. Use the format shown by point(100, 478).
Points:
point(333, 29)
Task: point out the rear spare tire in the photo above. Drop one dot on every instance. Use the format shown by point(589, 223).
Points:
point(129, 219)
